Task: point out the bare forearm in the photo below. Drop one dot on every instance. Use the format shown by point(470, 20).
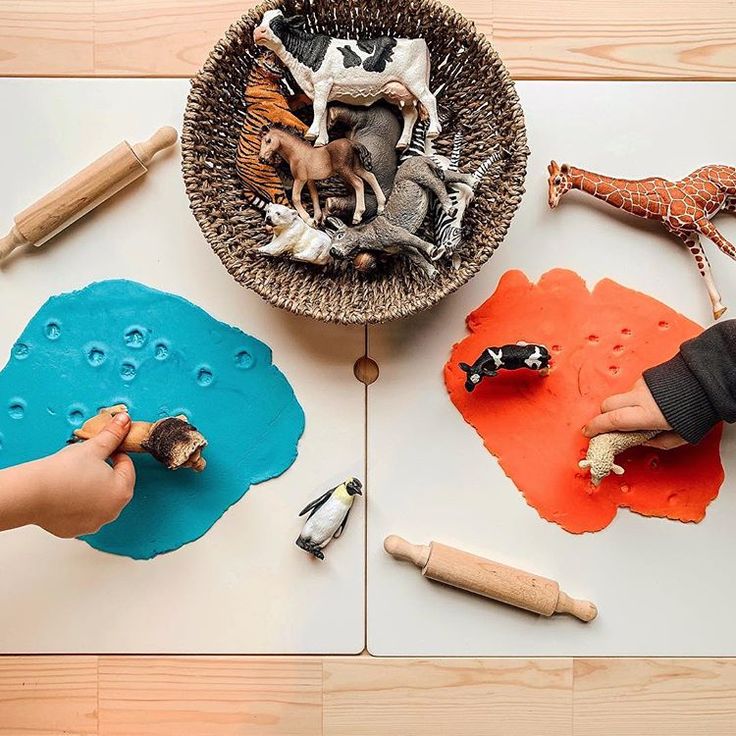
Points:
point(20, 488)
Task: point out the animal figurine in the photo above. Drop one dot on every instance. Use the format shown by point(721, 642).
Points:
point(603, 448)
point(355, 72)
point(684, 207)
point(328, 516)
point(346, 159)
point(172, 441)
point(294, 238)
point(393, 232)
point(506, 357)
point(265, 103)
point(448, 230)
point(378, 129)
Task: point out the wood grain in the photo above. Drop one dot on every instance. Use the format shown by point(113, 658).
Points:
point(210, 696)
point(667, 697)
point(361, 696)
point(619, 39)
point(47, 37)
point(364, 696)
point(538, 39)
point(45, 696)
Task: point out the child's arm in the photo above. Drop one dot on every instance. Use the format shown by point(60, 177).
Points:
point(74, 491)
point(688, 394)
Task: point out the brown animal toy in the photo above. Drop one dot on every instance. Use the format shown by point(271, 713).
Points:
point(344, 158)
point(265, 104)
point(684, 207)
point(172, 441)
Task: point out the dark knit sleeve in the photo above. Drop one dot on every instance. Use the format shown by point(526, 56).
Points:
point(697, 388)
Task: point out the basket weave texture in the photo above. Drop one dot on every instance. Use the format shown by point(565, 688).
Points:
point(482, 102)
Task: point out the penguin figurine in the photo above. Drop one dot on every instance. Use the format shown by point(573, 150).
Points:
point(329, 514)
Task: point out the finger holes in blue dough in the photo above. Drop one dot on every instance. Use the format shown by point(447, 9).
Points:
point(17, 409)
point(52, 330)
point(95, 356)
point(21, 351)
point(128, 370)
point(244, 360)
point(75, 415)
point(161, 350)
point(136, 337)
point(204, 376)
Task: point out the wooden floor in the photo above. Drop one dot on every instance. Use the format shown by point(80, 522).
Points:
point(363, 696)
point(548, 39)
point(356, 696)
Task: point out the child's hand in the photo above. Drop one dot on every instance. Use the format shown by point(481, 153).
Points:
point(77, 491)
point(632, 411)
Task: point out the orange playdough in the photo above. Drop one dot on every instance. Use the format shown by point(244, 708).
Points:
point(600, 343)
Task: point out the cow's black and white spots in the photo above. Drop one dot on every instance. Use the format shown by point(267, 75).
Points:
point(506, 357)
point(307, 48)
point(352, 71)
point(349, 57)
point(381, 52)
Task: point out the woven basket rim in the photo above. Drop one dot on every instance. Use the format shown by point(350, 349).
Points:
point(326, 311)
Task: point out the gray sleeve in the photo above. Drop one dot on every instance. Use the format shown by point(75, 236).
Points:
point(697, 388)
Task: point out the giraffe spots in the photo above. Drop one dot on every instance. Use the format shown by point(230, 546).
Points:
point(677, 207)
point(616, 199)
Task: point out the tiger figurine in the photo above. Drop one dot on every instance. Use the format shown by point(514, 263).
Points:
point(265, 104)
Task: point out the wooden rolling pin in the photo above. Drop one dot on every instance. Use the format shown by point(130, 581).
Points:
point(84, 191)
point(490, 579)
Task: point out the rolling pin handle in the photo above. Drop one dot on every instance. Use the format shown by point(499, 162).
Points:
point(160, 140)
point(10, 242)
point(584, 610)
point(400, 549)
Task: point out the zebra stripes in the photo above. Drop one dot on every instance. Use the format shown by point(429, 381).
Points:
point(448, 227)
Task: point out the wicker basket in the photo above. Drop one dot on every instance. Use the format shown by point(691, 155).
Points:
point(478, 92)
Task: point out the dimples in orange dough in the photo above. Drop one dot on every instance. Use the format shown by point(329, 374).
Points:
point(600, 342)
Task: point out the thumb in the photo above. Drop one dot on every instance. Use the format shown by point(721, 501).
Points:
point(124, 474)
point(111, 436)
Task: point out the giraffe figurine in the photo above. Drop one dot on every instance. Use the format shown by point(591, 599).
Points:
point(684, 207)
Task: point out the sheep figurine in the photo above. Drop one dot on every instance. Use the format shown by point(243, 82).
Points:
point(603, 448)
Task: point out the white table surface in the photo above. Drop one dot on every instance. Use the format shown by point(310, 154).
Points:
point(662, 587)
point(243, 587)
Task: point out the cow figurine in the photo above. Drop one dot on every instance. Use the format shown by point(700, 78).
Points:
point(354, 72)
point(507, 357)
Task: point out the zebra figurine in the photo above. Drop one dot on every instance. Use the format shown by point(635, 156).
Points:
point(448, 227)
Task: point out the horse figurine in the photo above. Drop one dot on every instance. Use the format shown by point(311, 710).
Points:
point(344, 158)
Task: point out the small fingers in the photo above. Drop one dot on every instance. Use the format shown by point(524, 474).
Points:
point(111, 437)
point(618, 401)
point(625, 419)
point(124, 471)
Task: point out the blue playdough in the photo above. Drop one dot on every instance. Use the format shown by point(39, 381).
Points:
point(119, 342)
